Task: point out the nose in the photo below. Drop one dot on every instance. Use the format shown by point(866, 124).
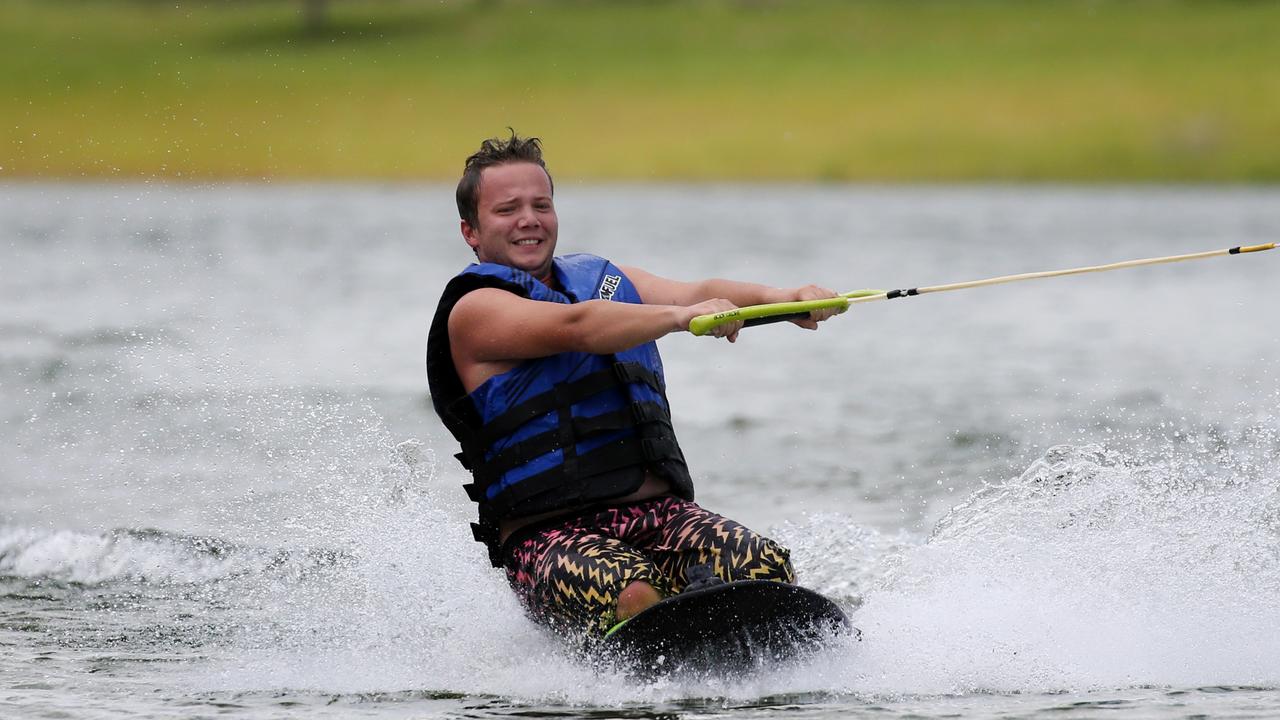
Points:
point(528, 218)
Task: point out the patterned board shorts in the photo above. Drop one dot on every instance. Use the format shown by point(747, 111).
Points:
point(569, 572)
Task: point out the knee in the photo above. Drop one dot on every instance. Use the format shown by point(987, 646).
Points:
point(636, 597)
point(766, 560)
point(780, 561)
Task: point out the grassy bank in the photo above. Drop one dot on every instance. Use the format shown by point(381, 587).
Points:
point(1077, 90)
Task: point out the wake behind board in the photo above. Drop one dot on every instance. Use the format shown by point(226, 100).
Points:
point(731, 628)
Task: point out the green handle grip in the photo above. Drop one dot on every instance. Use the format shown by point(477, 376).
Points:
point(703, 324)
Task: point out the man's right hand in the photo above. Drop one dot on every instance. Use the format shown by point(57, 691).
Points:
point(728, 330)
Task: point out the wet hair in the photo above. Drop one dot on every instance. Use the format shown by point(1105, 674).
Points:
point(494, 151)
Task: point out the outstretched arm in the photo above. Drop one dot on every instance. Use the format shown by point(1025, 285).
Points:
point(492, 330)
point(662, 291)
point(489, 325)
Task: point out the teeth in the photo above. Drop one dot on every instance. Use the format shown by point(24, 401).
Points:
point(526, 242)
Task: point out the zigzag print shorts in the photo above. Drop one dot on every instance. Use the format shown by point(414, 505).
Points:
point(569, 573)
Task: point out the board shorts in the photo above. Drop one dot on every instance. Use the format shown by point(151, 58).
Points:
point(568, 572)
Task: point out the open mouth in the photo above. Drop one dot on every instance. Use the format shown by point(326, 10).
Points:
point(529, 241)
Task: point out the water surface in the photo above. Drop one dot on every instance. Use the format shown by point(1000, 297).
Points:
point(222, 490)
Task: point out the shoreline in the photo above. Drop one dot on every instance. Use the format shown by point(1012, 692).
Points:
point(808, 91)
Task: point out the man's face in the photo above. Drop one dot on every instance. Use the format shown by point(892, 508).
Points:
point(518, 224)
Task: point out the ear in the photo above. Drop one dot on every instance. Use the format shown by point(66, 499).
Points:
point(470, 234)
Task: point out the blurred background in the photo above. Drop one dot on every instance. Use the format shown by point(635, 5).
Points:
point(825, 90)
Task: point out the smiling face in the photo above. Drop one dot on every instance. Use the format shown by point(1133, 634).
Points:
point(517, 224)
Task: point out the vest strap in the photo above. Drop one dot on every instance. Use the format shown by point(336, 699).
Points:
point(633, 372)
point(614, 456)
point(566, 394)
point(632, 415)
point(486, 531)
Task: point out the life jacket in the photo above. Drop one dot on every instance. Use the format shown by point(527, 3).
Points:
point(560, 432)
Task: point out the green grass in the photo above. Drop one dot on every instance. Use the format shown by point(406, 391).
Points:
point(880, 90)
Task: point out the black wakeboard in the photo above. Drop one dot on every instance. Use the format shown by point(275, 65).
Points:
point(731, 629)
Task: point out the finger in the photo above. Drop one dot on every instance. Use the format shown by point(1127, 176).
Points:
point(816, 317)
point(813, 292)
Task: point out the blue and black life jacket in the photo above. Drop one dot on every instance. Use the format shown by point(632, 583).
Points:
point(559, 432)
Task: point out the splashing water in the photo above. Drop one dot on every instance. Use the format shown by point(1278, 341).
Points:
point(1094, 568)
point(1090, 570)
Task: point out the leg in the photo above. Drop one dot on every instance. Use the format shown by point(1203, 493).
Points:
point(691, 536)
point(581, 581)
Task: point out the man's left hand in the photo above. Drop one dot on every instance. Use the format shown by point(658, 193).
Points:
point(813, 292)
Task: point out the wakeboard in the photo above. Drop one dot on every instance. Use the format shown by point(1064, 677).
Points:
point(727, 629)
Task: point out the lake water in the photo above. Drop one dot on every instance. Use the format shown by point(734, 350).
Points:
point(223, 491)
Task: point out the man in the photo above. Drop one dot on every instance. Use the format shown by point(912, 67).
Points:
point(546, 371)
